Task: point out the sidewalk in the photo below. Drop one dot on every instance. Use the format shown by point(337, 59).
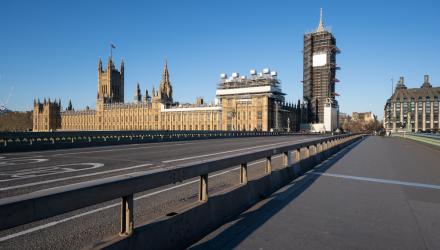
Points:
point(383, 193)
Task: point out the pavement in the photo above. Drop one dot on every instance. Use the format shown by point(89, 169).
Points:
point(379, 193)
point(22, 173)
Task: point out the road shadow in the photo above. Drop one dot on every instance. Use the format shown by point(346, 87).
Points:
point(248, 222)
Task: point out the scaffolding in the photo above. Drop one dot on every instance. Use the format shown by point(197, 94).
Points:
point(319, 80)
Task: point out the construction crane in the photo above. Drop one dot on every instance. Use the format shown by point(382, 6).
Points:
point(4, 103)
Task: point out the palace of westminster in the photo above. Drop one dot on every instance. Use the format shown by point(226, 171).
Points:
point(245, 103)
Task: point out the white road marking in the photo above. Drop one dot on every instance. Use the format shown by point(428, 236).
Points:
point(19, 158)
point(123, 147)
point(378, 180)
point(53, 223)
point(116, 149)
point(44, 171)
point(230, 151)
point(72, 177)
point(9, 162)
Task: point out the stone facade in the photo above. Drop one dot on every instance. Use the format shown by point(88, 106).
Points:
point(415, 109)
point(364, 116)
point(47, 115)
point(254, 103)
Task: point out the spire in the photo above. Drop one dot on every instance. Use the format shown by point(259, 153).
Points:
point(165, 74)
point(69, 106)
point(165, 88)
point(321, 23)
point(110, 63)
point(137, 93)
point(100, 64)
point(147, 96)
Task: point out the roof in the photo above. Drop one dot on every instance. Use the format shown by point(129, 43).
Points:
point(416, 93)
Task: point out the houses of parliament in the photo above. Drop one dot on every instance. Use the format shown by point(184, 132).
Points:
point(245, 103)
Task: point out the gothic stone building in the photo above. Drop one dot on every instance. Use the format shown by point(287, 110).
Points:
point(242, 103)
point(414, 109)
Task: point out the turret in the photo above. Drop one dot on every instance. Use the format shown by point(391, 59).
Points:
point(147, 96)
point(100, 65)
point(137, 94)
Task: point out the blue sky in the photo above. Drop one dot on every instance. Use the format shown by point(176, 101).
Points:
point(51, 48)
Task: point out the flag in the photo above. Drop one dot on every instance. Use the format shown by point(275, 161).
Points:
point(112, 45)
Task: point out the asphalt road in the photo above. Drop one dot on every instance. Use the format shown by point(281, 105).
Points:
point(22, 173)
point(383, 193)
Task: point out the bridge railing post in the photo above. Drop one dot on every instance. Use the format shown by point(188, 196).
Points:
point(319, 151)
point(269, 164)
point(243, 173)
point(297, 160)
point(203, 188)
point(127, 223)
point(286, 159)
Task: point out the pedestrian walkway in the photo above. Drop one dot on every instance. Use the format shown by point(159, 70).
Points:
point(381, 193)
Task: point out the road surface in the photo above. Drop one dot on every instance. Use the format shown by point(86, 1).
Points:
point(22, 173)
point(381, 193)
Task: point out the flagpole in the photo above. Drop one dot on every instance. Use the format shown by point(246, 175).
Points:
point(111, 51)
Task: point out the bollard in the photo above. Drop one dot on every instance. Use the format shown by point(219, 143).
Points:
point(203, 188)
point(243, 173)
point(127, 223)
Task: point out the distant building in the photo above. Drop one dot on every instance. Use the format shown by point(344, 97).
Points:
point(47, 115)
point(415, 109)
point(319, 77)
point(249, 103)
point(364, 116)
point(343, 117)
